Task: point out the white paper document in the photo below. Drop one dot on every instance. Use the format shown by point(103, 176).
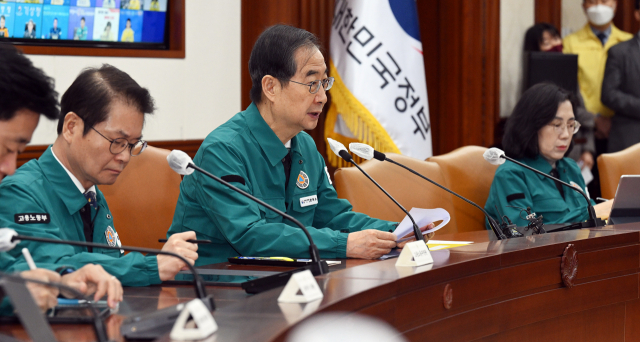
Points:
point(422, 218)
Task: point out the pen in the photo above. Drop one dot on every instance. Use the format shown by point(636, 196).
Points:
point(191, 241)
point(27, 256)
point(602, 199)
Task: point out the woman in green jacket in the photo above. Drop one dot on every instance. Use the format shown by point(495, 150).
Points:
point(539, 134)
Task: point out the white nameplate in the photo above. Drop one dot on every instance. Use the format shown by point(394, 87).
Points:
point(414, 253)
point(309, 200)
point(204, 322)
point(303, 282)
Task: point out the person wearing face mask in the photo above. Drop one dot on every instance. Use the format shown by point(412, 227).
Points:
point(539, 133)
point(544, 37)
point(621, 91)
point(591, 44)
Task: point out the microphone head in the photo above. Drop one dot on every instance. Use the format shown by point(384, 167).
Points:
point(361, 150)
point(179, 162)
point(6, 237)
point(494, 156)
point(339, 149)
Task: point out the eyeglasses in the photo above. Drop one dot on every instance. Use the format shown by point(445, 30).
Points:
point(314, 86)
point(121, 144)
point(572, 127)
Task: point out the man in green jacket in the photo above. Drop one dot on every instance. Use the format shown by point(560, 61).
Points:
point(28, 93)
point(263, 151)
point(57, 197)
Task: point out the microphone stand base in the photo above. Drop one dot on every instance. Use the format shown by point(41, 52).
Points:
point(320, 268)
point(580, 225)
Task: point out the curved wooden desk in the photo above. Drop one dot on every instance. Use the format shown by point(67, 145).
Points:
point(488, 291)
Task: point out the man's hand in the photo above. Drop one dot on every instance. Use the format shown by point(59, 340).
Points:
point(370, 244)
point(603, 126)
point(169, 266)
point(422, 229)
point(46, 297)
point(94, 279)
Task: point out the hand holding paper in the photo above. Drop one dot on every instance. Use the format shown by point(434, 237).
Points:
point(411, 237)
point(423, 218)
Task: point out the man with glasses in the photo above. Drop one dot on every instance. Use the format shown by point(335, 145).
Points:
point(264, 151)
point(57, 196)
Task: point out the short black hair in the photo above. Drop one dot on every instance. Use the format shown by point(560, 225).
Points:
point(2, 17)
point(536, 108)
point(23, 86)
point(81, 19)
point(533, 36)
point(91, 94)
point(274, 54)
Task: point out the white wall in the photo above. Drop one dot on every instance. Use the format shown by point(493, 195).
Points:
point(516, 16)
point(193, 95)
point(573, 16)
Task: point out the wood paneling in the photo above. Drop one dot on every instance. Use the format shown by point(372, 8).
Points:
point(176, 22)
point(188, 146)
point(461, 40)
point(625, 19)
point(549, 11)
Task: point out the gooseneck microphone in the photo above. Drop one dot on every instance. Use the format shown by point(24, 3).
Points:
point(496, 156)
point(367, 152)
point(147, 326)
point(341, 152)
point(181, 163)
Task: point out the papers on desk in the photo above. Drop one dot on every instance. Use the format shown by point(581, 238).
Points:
point(434, 245)
point(422, 218)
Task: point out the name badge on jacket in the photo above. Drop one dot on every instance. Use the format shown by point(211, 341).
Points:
point(309, 200)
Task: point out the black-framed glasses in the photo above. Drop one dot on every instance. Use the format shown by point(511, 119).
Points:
point(314, 86)
point(121, 144)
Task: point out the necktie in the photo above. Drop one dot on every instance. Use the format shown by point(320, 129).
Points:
point(555, 173)
point(85, 214)
point(602, 37)
point(91, 198)
point(286, 162)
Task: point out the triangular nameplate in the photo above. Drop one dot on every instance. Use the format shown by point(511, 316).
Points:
point(415, 253)
point(303, 282)
point(204, 322)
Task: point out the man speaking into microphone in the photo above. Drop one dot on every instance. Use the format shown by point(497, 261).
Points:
point(264, 152)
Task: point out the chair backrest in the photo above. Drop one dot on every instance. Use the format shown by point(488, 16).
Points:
point(143, 199)
point(467, 173)
point(409, 190)
point(613, 165)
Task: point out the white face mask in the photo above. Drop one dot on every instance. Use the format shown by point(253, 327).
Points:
point(600, 14)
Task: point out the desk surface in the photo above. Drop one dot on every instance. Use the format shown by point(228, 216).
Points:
point(496, 290)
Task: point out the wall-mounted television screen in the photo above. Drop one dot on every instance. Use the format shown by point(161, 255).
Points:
point(134, 24)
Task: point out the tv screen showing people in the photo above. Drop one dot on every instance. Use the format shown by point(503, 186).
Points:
point(128, 21)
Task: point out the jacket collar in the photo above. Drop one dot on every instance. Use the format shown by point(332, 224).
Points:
point(62, 184)
point(541, 164)
point(271, 145)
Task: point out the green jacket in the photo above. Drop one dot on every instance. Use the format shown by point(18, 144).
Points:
point(247, 152)
point(43, 190)
point(515, 186)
